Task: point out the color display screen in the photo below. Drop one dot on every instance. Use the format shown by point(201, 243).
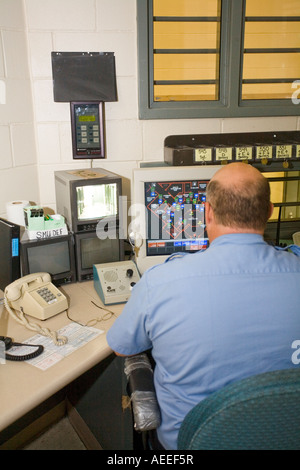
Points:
point(175, 216)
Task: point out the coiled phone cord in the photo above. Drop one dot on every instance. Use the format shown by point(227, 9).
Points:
point(8, 343)
point(58, 340)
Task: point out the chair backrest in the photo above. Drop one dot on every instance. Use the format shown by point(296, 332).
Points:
point(261, 412)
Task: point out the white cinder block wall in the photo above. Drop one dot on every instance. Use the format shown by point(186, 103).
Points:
point(18, 156)
point(35, 132)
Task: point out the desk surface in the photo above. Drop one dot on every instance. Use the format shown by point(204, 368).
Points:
point(23, 386)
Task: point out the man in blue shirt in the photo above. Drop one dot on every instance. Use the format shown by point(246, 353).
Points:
point(217, 316)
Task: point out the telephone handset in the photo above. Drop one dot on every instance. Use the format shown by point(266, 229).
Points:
point(36, 296)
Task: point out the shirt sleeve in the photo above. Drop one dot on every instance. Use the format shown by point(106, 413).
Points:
point(128, 335)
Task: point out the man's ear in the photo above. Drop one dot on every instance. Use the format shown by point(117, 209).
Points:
point(208, 213)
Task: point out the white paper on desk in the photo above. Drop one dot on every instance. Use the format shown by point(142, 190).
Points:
point(77, 336)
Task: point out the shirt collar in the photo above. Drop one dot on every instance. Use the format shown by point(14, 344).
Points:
point(238, 238)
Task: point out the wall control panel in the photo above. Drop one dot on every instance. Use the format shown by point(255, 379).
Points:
point(113, 282)
point(273, 151)
point(87, 129)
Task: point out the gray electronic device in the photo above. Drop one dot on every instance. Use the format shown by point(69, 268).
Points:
point(87, 129)
point(113, 282)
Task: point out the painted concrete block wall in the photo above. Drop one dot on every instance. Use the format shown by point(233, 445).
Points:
point(18, 160)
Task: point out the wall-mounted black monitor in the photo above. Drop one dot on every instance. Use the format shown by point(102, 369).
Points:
point(84, 76)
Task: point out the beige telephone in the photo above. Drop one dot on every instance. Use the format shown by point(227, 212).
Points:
point(36, 296)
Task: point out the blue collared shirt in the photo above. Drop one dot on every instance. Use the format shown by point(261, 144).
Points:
point(212, 318)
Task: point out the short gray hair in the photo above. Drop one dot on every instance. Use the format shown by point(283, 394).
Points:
point(238, 206)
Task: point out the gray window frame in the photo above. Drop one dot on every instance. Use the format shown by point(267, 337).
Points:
point(231, 57)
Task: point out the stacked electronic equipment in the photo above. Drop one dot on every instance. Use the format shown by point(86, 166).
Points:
point(89, 201)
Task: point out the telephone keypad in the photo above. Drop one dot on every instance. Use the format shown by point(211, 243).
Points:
point(47, 295)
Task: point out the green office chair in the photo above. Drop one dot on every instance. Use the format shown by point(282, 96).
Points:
point(261, 412)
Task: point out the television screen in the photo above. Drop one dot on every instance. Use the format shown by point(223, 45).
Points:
point(96, 201)
point(96, 251)
point(175, 216)
point(51, 258)
point(168, 211)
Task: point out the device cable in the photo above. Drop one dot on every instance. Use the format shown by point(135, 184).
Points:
point(20, 318)
point(9, 343)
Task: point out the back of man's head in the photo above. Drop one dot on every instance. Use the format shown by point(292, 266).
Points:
point(239, 196)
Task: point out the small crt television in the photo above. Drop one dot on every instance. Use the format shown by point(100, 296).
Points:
point(85, 197)
point(90, 250)
point(55, 255)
